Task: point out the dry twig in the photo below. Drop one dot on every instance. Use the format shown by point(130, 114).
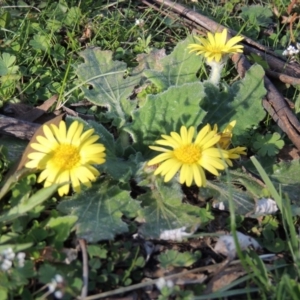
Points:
point(85, 273)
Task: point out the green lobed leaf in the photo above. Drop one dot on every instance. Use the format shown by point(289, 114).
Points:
point(241, 102)
point(40, 42)
point(176, 259)
point(109, 87)
point(166, 112)
point(99, 210)
point(257, 15)
point(46, 273)
point(247, 103)
point(7, 64)
point(268, 145)
point(177, 68)
point(162, 209)
point(73, 16)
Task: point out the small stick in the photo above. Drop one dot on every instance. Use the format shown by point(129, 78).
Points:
point(85, 273)
point(283, 78)
point(274, 103)
point(18, 128)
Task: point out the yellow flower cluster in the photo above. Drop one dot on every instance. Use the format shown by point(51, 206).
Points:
point(192, 156)
point(67, 155)
point(216, 47)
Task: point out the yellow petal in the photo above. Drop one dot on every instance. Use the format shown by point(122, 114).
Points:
point(92, 139)
point(49, 134)
point(234, 41)
point(222, 38)
point(46, 142)
point(176, 137)
point(85, 136)
point(161, 149)
point(202, 133)
point(172, 171)
point(40, 147)
point(33, 164)
point(72, 131)
point(159, 158)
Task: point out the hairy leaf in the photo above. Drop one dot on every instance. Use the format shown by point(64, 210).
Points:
point(99, 210)
point(163, 210)
point(241, 102)
point(222, 192)
point(166, 112)
point(109, 87)
point(177, 68)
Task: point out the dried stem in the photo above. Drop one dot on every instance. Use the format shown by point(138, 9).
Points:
point(85, 273)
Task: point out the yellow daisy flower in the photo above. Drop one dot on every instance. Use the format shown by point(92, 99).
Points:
point(188, 156)
point(66, 156)
point(225, 141)
point(225, 135)
point(235, 153)
point(215, 47)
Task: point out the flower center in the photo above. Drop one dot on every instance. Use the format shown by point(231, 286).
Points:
point(188, 154)
point(66, 156)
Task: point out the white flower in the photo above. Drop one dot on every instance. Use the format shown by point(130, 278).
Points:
point(21, 255)
point(58, 294)
point(139, 22)
point(52, 286)
point(290, 51)
point(21, 259)
point(58, 278)
point(161, 283)
point(9, 253)
point(226, 246)
point(56, 285)
point(6, 264)
point(170, 284)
